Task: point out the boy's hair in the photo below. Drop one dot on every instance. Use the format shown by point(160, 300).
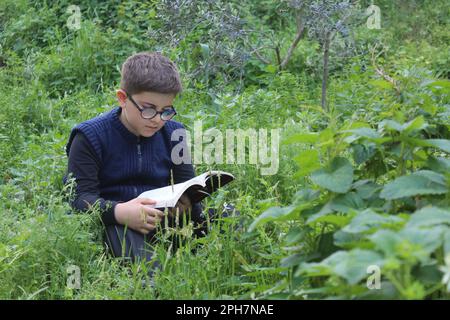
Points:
point(150, 71)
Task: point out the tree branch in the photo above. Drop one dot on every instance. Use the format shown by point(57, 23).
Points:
point(382, 73)
point(258, 55)
point(298, 36)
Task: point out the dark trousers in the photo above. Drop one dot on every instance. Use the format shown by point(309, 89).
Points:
point(132, 245)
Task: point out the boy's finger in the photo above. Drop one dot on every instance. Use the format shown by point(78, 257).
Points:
point(147, 201)
point(155, 212)
point(149, 227)
point(154, 218)
point(148, 209)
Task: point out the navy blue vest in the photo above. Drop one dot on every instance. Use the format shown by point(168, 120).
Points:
point(129, 165)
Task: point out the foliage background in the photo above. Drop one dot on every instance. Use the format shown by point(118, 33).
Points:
point(307, 234)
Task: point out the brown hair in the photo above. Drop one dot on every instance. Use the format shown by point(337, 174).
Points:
point(150, 71)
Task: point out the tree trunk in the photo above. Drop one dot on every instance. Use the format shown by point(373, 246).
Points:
point(326, 53)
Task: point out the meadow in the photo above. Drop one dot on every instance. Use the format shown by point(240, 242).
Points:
point(359, 207)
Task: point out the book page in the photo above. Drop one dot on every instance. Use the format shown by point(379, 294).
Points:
point(166, 197)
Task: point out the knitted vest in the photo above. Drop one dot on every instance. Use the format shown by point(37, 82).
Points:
point(129, 165)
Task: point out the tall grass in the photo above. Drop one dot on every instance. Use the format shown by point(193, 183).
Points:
point(53, 78)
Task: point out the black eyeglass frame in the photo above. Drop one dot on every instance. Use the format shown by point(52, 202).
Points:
point(142, 109)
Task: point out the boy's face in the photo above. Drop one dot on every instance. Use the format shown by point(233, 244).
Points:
point(131, 116)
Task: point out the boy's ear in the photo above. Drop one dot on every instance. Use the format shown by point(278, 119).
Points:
point(121, 97)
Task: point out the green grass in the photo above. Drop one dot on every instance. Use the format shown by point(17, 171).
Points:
point(53, 79)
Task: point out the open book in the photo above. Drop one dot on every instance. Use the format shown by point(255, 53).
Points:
point(196, 188)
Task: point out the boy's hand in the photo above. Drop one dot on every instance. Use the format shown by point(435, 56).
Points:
point(137, 215)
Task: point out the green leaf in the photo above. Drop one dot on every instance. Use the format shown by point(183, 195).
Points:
point(346, 202)
point(428, 274)
point(270, 68)
point(338, 220)
point(442, 144)
point(439, 164)
point(336, 177)
point(345, 239)
point(366, 132)
point(391, 125)
point(293, 260)
point(381, 84)
point(295, 235)
point(419, 183)
point(366, 188)
point(386, 241)
point(274, 214)
point(413, 125)
point(431, 175)
point(429, 216)
point(152, 13)
point(350, 265)
point(354, 267)
point(306, 195)
point(361, 133)
point(438, 85)
point(363, 152)
point(307, 161)
point(342, 203)
point(326, 138)
point(368, 219)
point(326, 209)
point(302, 138)
point(427, 239)
point(410, 243)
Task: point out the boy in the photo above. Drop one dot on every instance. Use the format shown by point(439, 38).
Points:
point(118, 155)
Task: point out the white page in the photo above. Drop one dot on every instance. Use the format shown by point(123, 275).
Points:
point(168, 196)
point(164, 196)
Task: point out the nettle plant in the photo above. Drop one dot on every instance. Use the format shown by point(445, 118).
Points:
point(375, 222)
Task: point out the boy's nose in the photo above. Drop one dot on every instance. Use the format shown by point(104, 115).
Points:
point(156, 121)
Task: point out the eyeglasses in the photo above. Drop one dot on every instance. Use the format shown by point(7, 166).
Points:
point(150, 112)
